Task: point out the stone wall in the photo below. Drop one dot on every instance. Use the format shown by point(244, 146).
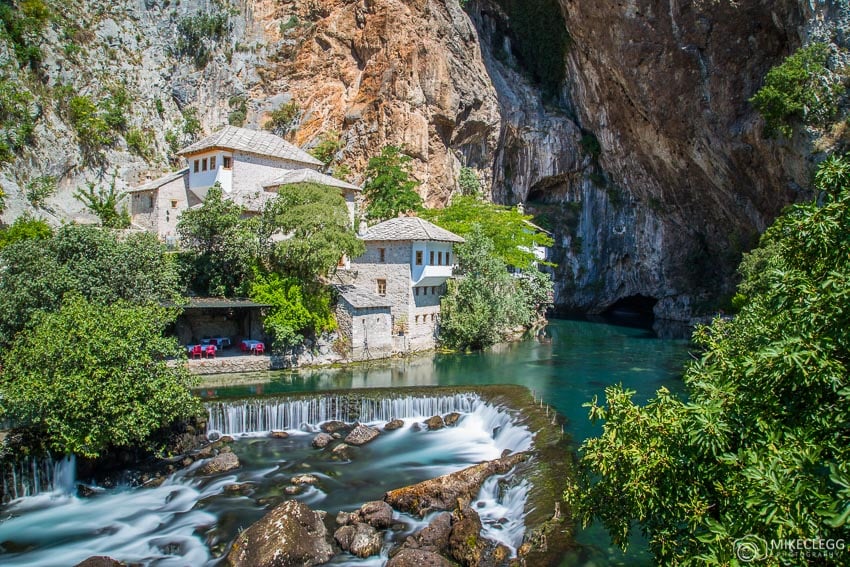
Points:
point(168, 215)
point(251, 171)
point(371, 333)
point(367, 269)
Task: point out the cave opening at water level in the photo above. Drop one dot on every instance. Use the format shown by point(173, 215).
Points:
point(634, 307)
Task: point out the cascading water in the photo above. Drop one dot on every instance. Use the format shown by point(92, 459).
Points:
point(31, 476)
point(191, 515)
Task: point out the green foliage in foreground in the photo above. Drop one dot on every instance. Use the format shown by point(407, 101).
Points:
point(800, 88)
point(762, 444)
point(512, 236)
point(390, 187)
point(35, 273)
point(105, 204)
point(485, 301)
point(296, 310)
point(92, 376)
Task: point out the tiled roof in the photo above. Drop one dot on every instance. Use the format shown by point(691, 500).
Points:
point(309, 176)
point(157, 183)
point(253, 141)
point(361, 298)
point(409, 228)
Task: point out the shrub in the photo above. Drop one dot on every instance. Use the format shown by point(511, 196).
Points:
point(25, 227)
point(329, 144)
point(140, 142)
point(17, 120)
point(468, 182)
point(284, 119)
point(115, 107)
point(239, 110)
point(390, 187)
point(39, 190)
point(92, 130)
point(22, 23)
point(197, 35)
point(800, 88)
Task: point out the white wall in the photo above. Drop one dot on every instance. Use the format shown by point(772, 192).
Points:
point(209, 177)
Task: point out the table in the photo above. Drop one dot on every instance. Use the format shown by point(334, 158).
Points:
point(250, 345)
point(219, 342)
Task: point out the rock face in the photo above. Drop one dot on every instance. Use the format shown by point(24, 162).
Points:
point(645, 158)
point(222, 462)
point(443, 493)
point(361, 435)
point(290, 534)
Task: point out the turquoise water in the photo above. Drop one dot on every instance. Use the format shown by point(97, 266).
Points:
point(567, 365)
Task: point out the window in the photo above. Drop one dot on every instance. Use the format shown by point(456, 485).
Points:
point(382, 253)
point(419, 257)
point(433, 290)
point(212, 162)
point(204, 164)
point(431, 257)
point(433, 317)
point(173, 203)
point(150, 201)
point(416, 291)
point(448, 258)
point(439, 258)
point(416, 319)
point(197, 164)
point(382, 287)
point(226, 162)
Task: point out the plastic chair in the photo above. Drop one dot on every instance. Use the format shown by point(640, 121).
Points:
point(210, 351)
point(259, 348)
point(197, 351)
point(243, 347)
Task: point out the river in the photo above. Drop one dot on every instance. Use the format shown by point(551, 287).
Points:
point(191, 516)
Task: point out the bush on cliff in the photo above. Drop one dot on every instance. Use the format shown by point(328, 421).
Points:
point(759, 452)
point(90, 376)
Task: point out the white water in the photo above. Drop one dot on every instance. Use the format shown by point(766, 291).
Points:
point(37, 475)
point(166, 525)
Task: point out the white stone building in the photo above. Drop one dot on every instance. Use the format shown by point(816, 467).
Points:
point(249, 165)
point(402, 274)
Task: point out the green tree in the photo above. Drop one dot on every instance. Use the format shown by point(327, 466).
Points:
point(318, 230)
point(103, 203)
point(512, 234)
point(468, 182)
point(390, 188)
point(25, 227)
point(222, 243)
point(800, 88)
point(93, 376)
point(36, 273)
point(296, 309)
point(485, 301)
point(284, 119)
point(329, 145)
point(760, 447)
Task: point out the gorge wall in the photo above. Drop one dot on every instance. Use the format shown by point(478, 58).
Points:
point(624, 127)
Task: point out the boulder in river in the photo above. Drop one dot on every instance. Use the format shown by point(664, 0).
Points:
point(361, 435)
point(222, 462)
point(100, 561)
point(279, 435)
point(361, 539)
point(451, 419)
point(304, 479)
point(322, 440)
point(333, 426)
point(393, 424)
point(466, 545)
point(291, 534)
point(418, 558)
point(442, 493)
point(435, 423)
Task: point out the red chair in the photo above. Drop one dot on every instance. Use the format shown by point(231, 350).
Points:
point(210, 351)
point(197, 351)
point(243, 347)
point(259, 348)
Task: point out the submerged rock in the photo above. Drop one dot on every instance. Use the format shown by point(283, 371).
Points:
point(322, 440)
point(443, 492)
point(435, 422)
point(361, 435)
point(304, 479)
point(393, 425)
point(222, 462)
point(291, 534)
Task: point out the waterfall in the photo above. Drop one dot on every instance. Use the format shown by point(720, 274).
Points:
point(36, 475)
point(305, 414)
point(502, 510)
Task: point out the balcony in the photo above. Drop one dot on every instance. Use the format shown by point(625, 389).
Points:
point(430, 275)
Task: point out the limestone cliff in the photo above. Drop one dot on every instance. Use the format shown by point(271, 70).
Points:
point(624, 126)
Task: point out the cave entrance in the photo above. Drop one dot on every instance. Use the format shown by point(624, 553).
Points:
point(633, 307)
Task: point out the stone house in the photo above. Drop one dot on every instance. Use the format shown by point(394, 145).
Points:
point(249, 165)
point(406, 265)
